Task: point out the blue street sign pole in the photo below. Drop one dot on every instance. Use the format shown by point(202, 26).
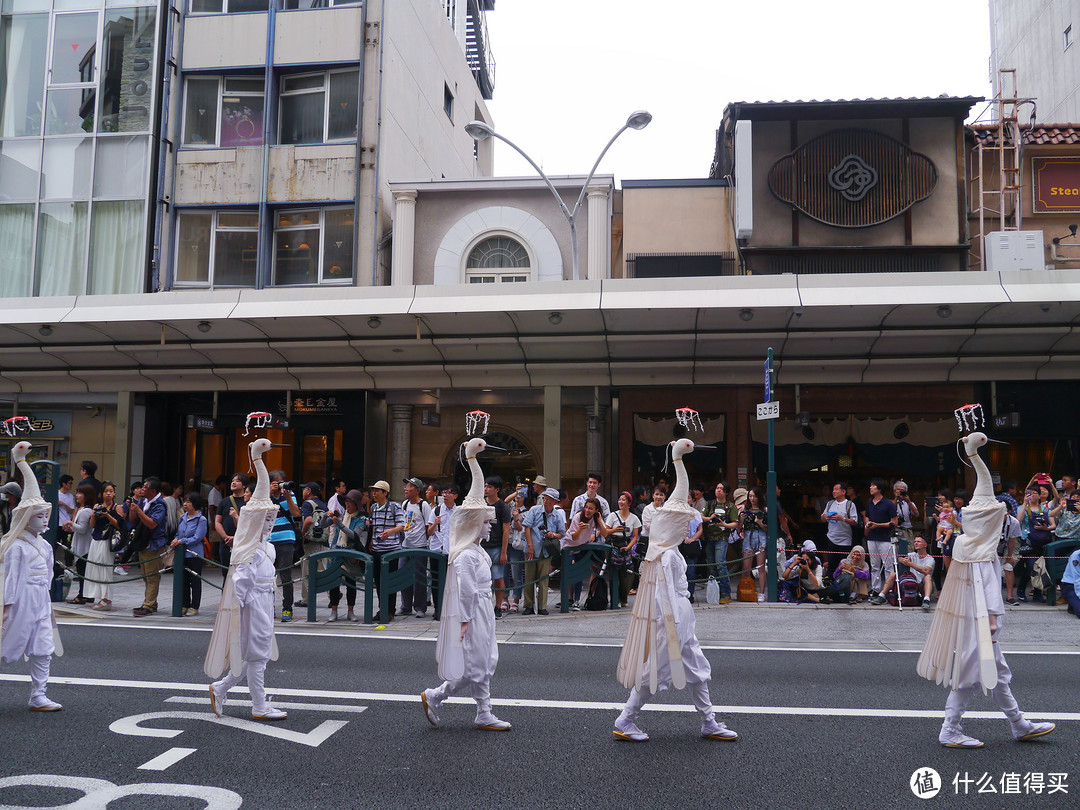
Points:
point(770, 489)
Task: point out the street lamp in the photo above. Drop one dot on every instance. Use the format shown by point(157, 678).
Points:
point(480, 131)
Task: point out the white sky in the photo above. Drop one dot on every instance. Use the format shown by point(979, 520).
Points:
point(569, 73)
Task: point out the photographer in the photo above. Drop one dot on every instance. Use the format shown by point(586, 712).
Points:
point(584, 528)
point(805, 569)
point(283, 536)
point(906, 512)
point(752, 524)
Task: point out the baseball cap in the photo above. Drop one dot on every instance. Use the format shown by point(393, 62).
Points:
point(11, 488)
point(380, 485)
point(314, 486)
point(809, 545)
point(550, 493)
point(739, 496)
point(416, 482)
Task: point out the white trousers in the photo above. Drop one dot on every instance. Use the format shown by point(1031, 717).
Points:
point(39, 674)
point(255, 672)
point(1001, 694)
point(480, 691)
point(699, 691)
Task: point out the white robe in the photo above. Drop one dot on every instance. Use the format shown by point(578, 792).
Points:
point(677, 592)
point(254, 586)
point(468, 599)
point(99, 571)
point(28, 574)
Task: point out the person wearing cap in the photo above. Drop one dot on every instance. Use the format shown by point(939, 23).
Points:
point(26, 573)
point(805, 568)
point(906, 512)
point(439, 531)
point(387, 527)
point(283, 538)
point(545, 525)
point(9, 499)
point(313, 513)
point(418, 518)
point(497, 543)
point(721, 516)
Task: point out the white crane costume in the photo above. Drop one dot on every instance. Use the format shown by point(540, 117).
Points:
point(469, 662)
point(661, 648)
point(961, 649)
point(26, 573)
point(243, 638)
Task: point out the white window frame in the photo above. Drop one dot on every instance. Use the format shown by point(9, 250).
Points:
point(481, 275)
point(215, 228)
point(222, 91)
point(321, 4)
point(1067, 37)
point(320, 259)
point(325, 90)
point(224, 10)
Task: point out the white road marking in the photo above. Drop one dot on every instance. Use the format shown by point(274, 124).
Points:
point(316, 631)
point(311, 707)
point(163, 761)
point(98, 794)
point(810, 711)
point(314, 738)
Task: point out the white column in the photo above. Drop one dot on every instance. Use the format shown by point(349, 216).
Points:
point(599, 266)
point(401, 260)
point(400, 448)
point(552, 469)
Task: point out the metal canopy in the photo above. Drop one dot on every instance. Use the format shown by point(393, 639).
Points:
point(928, 327)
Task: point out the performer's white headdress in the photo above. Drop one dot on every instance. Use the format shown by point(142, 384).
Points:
point(31, 502)
point(251, 523)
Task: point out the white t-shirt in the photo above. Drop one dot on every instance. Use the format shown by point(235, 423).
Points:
point(624, 530)
point(925, 560)
point(214, 497)
point(418, 517)
point(839, 532)
point(440, 538)
point(67, 506)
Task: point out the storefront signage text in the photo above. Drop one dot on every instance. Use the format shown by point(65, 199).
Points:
point(323, 405)
point(1056, 184)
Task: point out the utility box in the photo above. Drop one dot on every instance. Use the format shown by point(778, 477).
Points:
point(1014, 250)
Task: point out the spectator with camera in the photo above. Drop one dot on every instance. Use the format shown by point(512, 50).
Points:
point(753, 527)
point(720, 517)
point(82, 528)
point(227, 512)
point(1066, 514)
point(348, 530)
point(907, 512)
point(921, 566)
point(1036, 530)
point(545, 525)
point(804, 572)
point(587, 526)
point(840, 515)
point(283, 536)
point(149, 516)
point(387, 530)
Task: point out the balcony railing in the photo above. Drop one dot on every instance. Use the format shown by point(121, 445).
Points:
point(478, 49)
point(677, 265)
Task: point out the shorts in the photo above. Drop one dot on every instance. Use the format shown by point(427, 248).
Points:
point(946, 548)
point(498, 570)
point(753, 542)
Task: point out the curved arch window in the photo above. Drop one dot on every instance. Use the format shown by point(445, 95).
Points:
point(497, 259)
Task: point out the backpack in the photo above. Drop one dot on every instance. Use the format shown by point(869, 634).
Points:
point(316, 529)
point(598, 593)
point(910, 595)
point(747, 589)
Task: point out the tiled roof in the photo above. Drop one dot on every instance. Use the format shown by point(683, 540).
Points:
point(1043, 134)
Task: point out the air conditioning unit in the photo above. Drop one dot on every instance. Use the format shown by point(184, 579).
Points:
point(1014, 250)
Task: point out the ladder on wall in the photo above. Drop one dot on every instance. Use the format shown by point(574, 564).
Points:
point(998, 151)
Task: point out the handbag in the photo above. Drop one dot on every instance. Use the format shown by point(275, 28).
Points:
point(552, 545)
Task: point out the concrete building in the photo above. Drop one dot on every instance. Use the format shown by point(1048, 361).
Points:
point(1037, 38)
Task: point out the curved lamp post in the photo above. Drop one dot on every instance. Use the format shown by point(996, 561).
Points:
point(480, 131)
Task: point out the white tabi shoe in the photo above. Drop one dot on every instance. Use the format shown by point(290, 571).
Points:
point(217, 701)
point(431, 707)
point(269, 713)
point(489, 722)
point(711, 730)
point(954, 737)
point(43, 704)
point(628, 730)
point(1024, 730)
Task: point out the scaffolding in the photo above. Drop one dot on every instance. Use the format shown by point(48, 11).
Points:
point(998, 149)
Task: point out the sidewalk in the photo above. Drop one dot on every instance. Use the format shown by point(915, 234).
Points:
point(1034, 628)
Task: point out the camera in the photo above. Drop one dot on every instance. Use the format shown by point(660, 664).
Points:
point(748, 522)
point(1072, 505)
point(289, 485)
point(100, 509)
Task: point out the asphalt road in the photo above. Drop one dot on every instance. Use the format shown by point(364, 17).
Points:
point(819, 728)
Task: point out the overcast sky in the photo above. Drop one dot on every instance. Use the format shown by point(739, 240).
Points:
point(568, 74)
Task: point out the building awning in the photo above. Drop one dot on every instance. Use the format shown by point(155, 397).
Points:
point(842, 329)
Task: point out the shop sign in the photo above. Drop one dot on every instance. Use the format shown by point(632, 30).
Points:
point(51, 425)
point(1055, 184)
point(201, 422)
point(321, 405)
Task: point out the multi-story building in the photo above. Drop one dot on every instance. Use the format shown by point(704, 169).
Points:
point(1036, 38)
point(185, 156)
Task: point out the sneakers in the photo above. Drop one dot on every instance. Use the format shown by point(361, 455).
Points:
point(954, 737)
point(626, 729)
point(926, 603)
point(40, 703)
point(141, 611)
point(431, 706)
point(1024, 730)
point(528, 612)
point(573, 607)
point(333, 615)
point(486, 721)
point(191, 612)
point(419, 614)
point(878, 600)
point(1020, 597)
point(286, 616)
point(119, 572)
point(300, 603)
point(217, 701)
point(761, 597)
point(712, 730)
point(1012, 600)
point(542, 612)
point(725, 599)
point(498, 612)
point(269, 713)
point(352, 616)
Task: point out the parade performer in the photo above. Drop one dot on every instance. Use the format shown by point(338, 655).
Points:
point(243, 637)
point(661, 648)
point(466, 651)
point(26, 572)
point(962, 650)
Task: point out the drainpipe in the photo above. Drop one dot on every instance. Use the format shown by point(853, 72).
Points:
point(359, 143)
point(378, 151)
point(266, 229)
point(161, 279)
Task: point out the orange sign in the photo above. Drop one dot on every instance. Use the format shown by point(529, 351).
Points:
point(1056, 184)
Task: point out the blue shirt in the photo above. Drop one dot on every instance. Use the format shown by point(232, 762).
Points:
point(539, 521)
point(1072, 570)
point(157, 512)
point(284, 530)
point(191, 532)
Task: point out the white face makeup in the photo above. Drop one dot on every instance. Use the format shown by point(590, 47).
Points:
point(268, 523)
point(37, 522)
